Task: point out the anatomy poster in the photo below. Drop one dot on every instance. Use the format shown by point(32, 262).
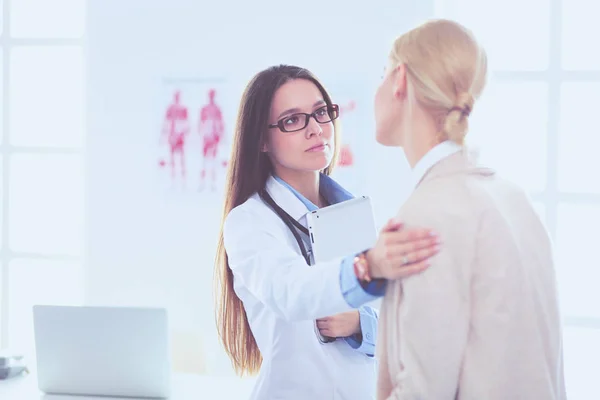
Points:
point(353, 121)
point(193, 133)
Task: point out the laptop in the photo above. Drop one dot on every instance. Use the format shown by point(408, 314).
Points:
point(102, 351)
point(342, 229)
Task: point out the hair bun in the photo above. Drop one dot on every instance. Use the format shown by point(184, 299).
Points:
point(456, 124)
point(464, 103)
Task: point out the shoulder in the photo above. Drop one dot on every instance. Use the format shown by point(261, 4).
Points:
point(245, 213)
point(460, 201)
point(453, 206)
point(252, 217)
point(445, 198)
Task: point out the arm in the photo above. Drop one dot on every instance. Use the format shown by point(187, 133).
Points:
point(355, 292)
point(426, 316)
point(278, 276)
point(221, 124)
point(365, 341)
point(201, 121)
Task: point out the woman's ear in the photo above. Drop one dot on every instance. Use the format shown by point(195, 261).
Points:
point(399, 81)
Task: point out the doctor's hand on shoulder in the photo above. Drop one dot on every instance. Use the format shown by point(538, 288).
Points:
point(340, 325)
point(399, 252)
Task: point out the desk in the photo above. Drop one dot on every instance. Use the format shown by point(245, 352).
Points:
point(183, 387)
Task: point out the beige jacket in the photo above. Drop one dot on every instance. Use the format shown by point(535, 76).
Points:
point(482, 323)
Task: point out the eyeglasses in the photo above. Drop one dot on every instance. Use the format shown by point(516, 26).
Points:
point(299, 121)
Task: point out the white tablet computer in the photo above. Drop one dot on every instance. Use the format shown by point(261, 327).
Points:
point(342, 229)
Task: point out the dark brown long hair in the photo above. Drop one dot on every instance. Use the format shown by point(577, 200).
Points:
point(248, 172)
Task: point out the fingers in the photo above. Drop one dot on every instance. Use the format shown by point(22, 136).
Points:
point(323, 323)
point(325, 327)
point(413, 246)
point(326, 323)
point(327, 332)
point(409, 241)
point(402, 260)
point(410, 269)
point(415, 251)
point(414, 234)
point(421, 255)
point(392, 225)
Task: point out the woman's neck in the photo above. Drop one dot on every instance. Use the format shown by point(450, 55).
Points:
point(424, 137)
point(306, 183)
point(416, 151)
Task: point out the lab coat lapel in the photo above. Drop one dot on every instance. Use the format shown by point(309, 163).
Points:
point(286, 199)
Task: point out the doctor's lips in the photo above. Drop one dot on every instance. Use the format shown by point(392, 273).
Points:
point(318, 147)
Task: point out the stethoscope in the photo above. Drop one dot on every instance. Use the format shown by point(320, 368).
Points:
point(290, 222)
point(293, 226)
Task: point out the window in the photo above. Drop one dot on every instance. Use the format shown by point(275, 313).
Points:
point(38, 281)
point(515, 107)
point(542, 96)
point(45, 198)
point(37, 75)
point(575, 249)
point(42, 19)
point(41, 162)
point(582, 348)
point(579, 24)
point(577, 149)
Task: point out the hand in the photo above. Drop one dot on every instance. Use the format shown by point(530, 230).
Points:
point(340, 325)
point(399, 252)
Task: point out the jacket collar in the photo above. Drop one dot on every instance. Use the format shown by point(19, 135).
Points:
point(462, 162)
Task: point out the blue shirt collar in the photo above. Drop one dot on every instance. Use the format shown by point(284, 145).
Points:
point(332, 191)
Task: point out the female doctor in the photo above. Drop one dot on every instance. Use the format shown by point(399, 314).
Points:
point(284, 149)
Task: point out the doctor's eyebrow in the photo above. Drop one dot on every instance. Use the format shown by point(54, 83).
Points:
point(297, 110)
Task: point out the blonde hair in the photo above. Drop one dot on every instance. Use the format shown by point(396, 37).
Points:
point(446, 72)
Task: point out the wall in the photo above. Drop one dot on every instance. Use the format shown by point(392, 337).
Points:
point(155, 248)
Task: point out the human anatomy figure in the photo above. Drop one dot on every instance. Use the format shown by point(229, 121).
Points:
point(175, 129)
point(211, 128)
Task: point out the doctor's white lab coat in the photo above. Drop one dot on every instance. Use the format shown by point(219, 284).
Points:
point(282, 297)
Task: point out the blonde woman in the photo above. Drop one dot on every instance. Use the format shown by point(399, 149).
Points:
point(482, 322)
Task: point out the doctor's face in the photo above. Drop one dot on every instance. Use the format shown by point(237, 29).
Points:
point(296, 141)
